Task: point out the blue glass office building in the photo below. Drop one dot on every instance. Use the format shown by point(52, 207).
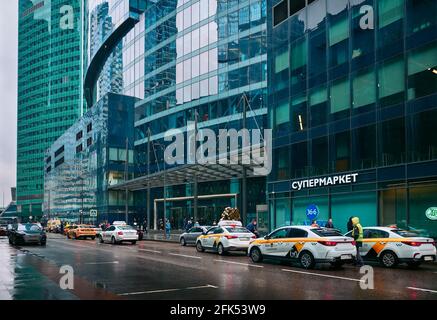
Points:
point(353, 90)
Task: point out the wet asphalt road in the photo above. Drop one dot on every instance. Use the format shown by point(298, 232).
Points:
point(157, 270)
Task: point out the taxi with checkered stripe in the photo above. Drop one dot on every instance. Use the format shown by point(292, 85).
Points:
point(228, 236)
point(390, 246)
point(305, 245)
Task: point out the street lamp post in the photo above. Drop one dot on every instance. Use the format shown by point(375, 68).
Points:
point(164, 188)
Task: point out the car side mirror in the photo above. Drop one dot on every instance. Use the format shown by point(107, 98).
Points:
point(267, 237)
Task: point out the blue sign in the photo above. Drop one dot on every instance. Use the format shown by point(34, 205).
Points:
point(312, 212)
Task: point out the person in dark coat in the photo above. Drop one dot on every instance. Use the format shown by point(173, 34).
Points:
point(252, 227)
point(329, 224)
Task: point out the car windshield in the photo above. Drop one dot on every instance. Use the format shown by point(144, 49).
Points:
point(327, 232)
point(125, 228)
point(405, 233)
point(237, 230)
point(28, 227)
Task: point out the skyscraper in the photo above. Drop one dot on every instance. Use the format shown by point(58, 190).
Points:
point(49, 88)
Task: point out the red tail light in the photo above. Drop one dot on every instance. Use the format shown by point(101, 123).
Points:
point(120, 233)
point(231, 237)
point(328, 243)
point(253, 237)
point(413, 243)
point(354, 243)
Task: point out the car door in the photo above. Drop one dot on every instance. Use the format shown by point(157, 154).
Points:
point(208, 240)
point(294, 243)
point(274, 243)
point(108, 233)
point(192, 235)
point(373, 243)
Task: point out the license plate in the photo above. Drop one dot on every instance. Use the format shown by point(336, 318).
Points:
point(244, 239)
point(346, 257)
point(429, 259)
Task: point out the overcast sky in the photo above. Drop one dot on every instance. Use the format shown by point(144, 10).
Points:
point(8, 96)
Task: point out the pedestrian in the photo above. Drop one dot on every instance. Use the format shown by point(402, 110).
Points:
point(314, 224)
point(357, 234)
point(62, 227)
point(214, 223)
point(253, 227)
point(329, 224)
point(168, 229)
point(350, 224)
point(197, 224)
point(189, 225)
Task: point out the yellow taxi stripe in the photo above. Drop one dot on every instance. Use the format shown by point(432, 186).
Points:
point(262, 241)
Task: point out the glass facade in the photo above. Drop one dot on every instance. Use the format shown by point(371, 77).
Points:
point(87, 159)
point(49, 89)
point(354, 90)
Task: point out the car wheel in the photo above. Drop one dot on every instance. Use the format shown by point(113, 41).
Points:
point(221, 250)
point(183, 242)
point(101, 239)
point(113, 241)
point(93, 238)
point(414, 264)
point(388, 259)
point(306, 260)
point(199, 247)
point(256, 255)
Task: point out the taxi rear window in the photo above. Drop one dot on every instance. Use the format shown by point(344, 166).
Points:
point(327, 232)
point(237, 230)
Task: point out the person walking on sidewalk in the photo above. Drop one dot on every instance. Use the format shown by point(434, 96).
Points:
point(357, 234)
point(167, 229)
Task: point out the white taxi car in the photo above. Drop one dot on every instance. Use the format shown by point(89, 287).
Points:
point(117, 234)
point(306, 245)
point(391, 246)
point(227, 236)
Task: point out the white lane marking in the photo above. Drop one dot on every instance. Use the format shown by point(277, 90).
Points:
point(323, 275)
point(96, 263)
point(420, 289)
point(183, 255)
point(240, 264)
point(208, 286)
point(147, 250)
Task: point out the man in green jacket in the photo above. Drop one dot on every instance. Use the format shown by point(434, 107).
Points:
point(357, 234)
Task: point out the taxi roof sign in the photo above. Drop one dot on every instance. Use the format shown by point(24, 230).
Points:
point(234, 223)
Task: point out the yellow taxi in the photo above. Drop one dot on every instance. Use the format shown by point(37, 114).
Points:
point(81, 232)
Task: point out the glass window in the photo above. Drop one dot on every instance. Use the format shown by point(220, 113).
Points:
point(280, 234)
point(375, 234)
point(204, 36)
point(300, 206)
point(187, 94)
point(299, 56)
point(422, 71)
point(195, 35)
point(282, 61)
point(422, 199)
point(320, 156)
point(392, 142)
point(187, 43)
point(204, 88)
point(364, 89)
point(422, 142)
point(282, 114)
point(390, 11)
point(297, 233)
point(204, 63)
point(341, 151)
point(280, 12)
point(213, 85)
point(299, 160)
point(363, 205)
point(318, 106)
point(392, 82)
point(187, 17)
point(179, 72)
point(421, 18)
point(113, 154)
point(195, 13)
point(204, 11)
point(364, 147)
point(282, 156)
point(213, 32)
point(180, 21)
point(195, 88)
point(212, 7)
point(318, 60)
point(213, 60)
point(299, 112)
point(195, 65)
point(340, 95)
point(187, 69)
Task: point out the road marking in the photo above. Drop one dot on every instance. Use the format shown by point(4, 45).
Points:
point(240, 264)
point(147, 250)
point(420, 289)
point(208, 286)
point(323, 275)
point(96, 263)
point(183, 255)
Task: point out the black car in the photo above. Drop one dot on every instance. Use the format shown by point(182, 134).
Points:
point(29, 233)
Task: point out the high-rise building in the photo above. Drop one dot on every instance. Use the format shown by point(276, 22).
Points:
point(49, 88)
point(353, 96)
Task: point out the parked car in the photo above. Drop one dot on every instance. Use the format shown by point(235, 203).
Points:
point(391, 246)
point(190, 237)
point(305, 245)
point(117, 234)
point(81, 232)
point(29, 233)
point(227, 236)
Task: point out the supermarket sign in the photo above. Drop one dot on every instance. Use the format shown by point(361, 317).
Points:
point(431, 213)
point(325, 182)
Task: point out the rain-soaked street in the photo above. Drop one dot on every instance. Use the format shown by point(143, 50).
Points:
point(158, 270)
